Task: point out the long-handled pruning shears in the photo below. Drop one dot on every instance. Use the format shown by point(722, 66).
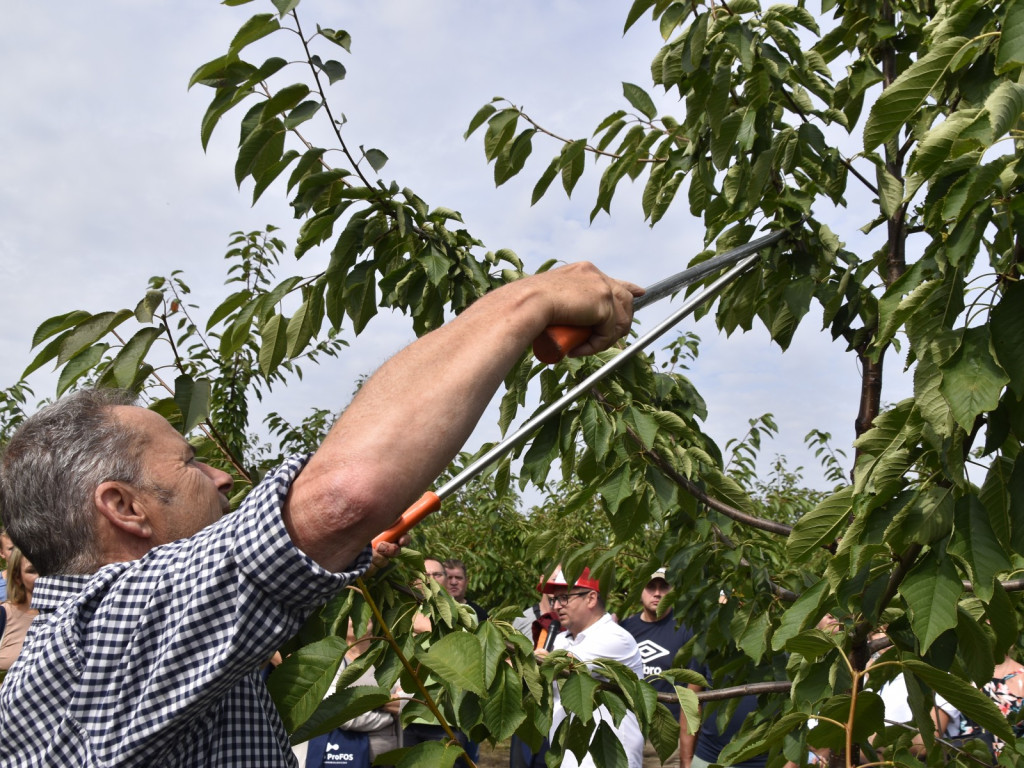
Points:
point(553, 345)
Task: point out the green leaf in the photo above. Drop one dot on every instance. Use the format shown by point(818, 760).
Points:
point(435, 263)
point(753, 639)
point(273, 343)
point(640, 100)
point(263, 147)
point(618, 487)
point(503, 708)
point(302, 113)
point(578, 695)
point(334, 70)
point(974, 648)
point(1007, 324)
point(898, 104)
point(501, 127)
point(1011, 38)
point(284, 100)
point(211, 69)
point(361, 295)
point(646, 425)
point(493, 643)
point(89, 332)
point(193, 399)
point(664, 732)
point(458, 660)
point(890, 192)
point(304, 324)
point(128, 361)
point(376, 159)
point(812, 643)
point(337, 36)
point(479, 119)
point(597, 428)
point(932, 589)
point(964, 696)
point(55, 325)
point(265, 175)
point(636, 10)
point(346, 703)
point(147, 306)
point(607, 749)
point(285, 6)
point(1005, 105)
point(821, 526)
point(47, 353)
point(738, 753)
point(1002, 617)
point(725, 488)
point(544, 181)
point(928, 517)
point(259, 26)
point(572, 160)
point(512, 161)
point(79, 365)
point(935, 146)
point(301, 681)
point(978, 546)
point(972, 380)
point(427, 754)
point(799, 614)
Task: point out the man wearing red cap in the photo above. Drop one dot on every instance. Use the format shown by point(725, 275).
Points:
point(591, 633)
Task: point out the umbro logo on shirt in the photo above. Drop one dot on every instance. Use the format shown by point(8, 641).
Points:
point(650, 650)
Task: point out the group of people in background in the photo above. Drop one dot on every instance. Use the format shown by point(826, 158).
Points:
point(571, 617)
point(374, 733)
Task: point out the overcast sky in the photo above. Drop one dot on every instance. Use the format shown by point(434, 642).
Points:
point(104, 182)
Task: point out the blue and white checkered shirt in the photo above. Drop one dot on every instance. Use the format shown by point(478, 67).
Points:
point(156, 662)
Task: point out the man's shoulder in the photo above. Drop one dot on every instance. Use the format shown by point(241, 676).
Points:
point(481, 612)
point(634, 623)
point(606, 628)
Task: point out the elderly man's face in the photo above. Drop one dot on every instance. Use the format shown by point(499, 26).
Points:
point(456, 583)
point(181, 495)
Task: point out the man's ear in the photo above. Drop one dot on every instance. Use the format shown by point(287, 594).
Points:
point(121, 506)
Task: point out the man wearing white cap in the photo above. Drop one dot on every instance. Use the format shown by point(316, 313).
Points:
point(591, 633)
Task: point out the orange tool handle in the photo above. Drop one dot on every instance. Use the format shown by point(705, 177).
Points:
point(427, 503)
point(559, 340)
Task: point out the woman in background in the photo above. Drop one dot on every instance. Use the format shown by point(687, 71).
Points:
point(21, 579)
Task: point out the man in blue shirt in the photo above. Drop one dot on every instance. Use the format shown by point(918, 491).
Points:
point(660, 639)
point(157, 610)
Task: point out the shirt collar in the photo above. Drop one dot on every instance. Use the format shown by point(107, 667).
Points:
point(52, 591)
point(583, 632)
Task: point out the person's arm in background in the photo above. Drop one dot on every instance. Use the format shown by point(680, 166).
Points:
point(687, 740)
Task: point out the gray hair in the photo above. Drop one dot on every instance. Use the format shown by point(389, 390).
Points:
point(51, 469)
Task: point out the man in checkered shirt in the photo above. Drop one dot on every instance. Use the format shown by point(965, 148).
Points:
point(157, 610)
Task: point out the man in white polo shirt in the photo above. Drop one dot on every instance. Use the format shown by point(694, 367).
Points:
point(591, 633)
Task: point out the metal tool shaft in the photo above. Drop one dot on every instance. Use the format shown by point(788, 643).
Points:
point(520, 435)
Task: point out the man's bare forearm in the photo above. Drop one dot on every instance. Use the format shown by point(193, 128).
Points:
point(416, 412)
